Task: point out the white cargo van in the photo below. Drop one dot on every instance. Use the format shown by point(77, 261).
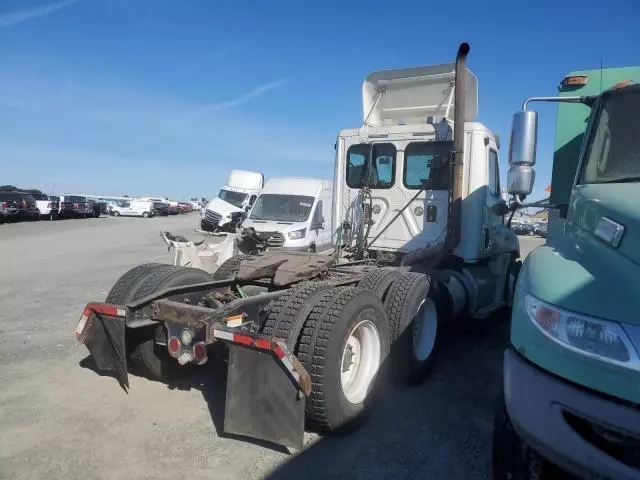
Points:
point(294, 213)
point(133, 208)
point(238, 195)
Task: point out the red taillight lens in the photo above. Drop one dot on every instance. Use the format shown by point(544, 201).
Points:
point(200, 352)
point(23, 204)
point(174, 345)
point(76, 205)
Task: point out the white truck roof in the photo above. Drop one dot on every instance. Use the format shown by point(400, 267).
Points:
point(245, 180)
point(410, 95)
point(296, 186)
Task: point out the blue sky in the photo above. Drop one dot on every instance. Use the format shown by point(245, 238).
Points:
point(165, 97)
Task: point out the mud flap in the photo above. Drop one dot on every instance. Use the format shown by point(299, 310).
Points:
point(262, 401)
point(104, 338)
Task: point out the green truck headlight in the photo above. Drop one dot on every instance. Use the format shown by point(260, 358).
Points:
point(601, 339)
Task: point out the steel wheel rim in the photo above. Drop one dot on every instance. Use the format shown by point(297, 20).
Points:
point(425, 329)
point(361, 356)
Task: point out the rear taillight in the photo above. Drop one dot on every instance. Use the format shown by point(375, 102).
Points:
point(200, 353)
point(49, 205)
point(174, 346)
point(23, 204)
point(4, 204)
point(76, 205)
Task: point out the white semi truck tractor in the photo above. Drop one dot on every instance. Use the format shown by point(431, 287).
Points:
point(419, 239)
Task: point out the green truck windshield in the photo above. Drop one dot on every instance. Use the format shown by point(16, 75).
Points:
point(614, 154)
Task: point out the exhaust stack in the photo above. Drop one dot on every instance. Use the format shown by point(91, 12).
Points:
point(455, 212)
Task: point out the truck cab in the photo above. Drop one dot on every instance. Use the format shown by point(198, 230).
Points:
point(393, 183)
point(236, 197)
point(572, 369)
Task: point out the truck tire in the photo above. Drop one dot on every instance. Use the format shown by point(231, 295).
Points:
point(123, 290)
point(379, 281)
point(291, 310)
point(344, 344)
point(512, 459)
point(229, 268)
point(152, 359)
point(414, 326)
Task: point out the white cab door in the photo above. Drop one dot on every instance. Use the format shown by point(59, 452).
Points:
point(397, 173)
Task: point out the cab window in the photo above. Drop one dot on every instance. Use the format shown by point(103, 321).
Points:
point(317, 216)
point(494, 174)
point(374, 165)
point(426, 164)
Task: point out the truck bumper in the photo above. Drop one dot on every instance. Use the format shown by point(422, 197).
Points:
point(207, 226)
point(587, 434)
point(266, 384)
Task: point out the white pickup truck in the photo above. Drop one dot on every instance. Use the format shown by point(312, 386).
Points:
point(47, 206)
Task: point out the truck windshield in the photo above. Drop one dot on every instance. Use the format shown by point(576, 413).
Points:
point(282, 208)
point(614, 153)
point(234, 198)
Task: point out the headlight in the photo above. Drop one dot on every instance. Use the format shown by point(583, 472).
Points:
point(297, 234)
point(593, 337)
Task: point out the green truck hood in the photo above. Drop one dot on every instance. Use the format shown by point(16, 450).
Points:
point(619, 202)
point(580, 273)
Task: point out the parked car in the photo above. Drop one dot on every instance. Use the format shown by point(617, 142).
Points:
point(100, 207)
point(24, 203)
point(134, 208)
point(73, 206)
point(184, 207)
point(540, 229)
point(174, 209)
point(9, 207)
point(90, 208)
point(522, 228)
point(46, 206)
point(160, 209)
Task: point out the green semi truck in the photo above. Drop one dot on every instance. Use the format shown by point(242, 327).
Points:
point(571, 396)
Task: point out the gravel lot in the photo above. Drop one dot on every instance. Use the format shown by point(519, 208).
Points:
point(60, 420)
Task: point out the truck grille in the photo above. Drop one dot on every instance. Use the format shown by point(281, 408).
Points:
point(212, 217)
point(276, 240)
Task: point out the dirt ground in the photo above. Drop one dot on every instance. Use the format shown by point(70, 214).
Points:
point(60, 420)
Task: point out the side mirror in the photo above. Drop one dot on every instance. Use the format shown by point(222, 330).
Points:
point(524, 139)
point(318, 225)
point(520, 180)
point(522, 153)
